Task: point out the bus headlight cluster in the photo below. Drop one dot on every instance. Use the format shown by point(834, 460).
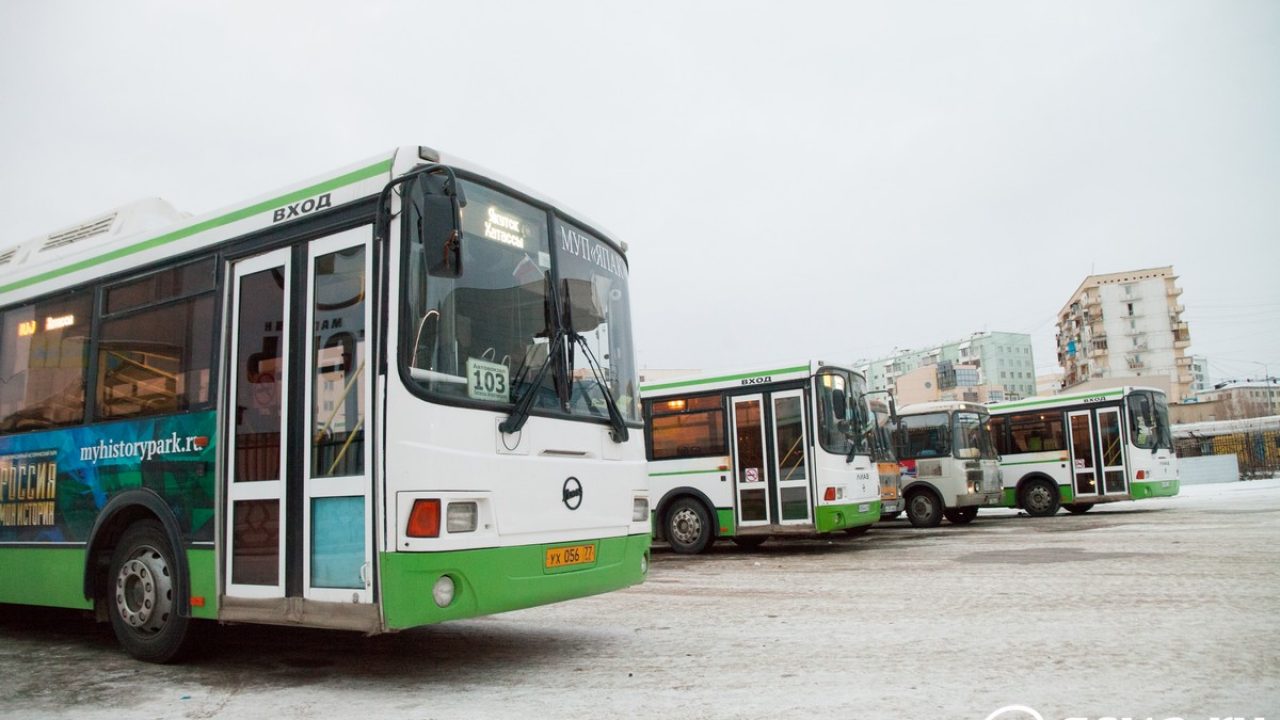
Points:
point(640, 510)
point(443, 591)
point(461, 517)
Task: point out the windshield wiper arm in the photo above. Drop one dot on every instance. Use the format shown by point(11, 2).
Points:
point(619, 433)
point(520, 413)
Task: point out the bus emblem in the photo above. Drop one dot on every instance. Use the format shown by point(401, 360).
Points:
point(572, 493)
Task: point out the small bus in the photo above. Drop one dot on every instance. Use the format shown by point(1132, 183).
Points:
point(949, 466)
point(886, 462)
point(1081, 449)
point(758, 453)
point(400, 393)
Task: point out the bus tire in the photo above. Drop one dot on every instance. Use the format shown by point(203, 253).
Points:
point(924, 509)
point(749, 541)
point(688, 527)
point(890, 515)
point(140, 595)
point(1039, 498)
point(856, 531)
point(1077, 508)
point(961, 516)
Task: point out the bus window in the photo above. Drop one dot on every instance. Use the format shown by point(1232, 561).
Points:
point(43, 357)
point(842, 427)
point(156, 361)
point(687, 428)
point(970, 433)
point(923, 436)
point(1034, 432)
point(1149, 420)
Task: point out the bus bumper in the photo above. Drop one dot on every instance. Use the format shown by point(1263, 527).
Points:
point(991, 499)
point(828, 518)
point(890, 506)
point(493, 580)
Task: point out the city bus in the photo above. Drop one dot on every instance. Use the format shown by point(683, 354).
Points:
point(949, 465)
point(758, 453)
point(397, 394)
point(1081, 449)
point(882, 453)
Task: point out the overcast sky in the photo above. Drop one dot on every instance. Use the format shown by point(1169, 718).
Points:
point(795, 180)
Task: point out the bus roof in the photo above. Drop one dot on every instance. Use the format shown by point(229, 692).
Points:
point(737, 378)
point(1051, 401)
point(941, 406)
point(151, 230)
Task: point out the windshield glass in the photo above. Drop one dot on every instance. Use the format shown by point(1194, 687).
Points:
point(843, 421)
point(1149, 420)
point(923, 436)
point(972, 431)
point(595, 293)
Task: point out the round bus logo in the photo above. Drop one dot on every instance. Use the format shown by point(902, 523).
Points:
point(572, 493)
point(1015, 712)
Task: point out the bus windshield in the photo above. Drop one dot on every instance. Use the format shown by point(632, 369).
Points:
point(972, 431)
point(882, 447)
point(485, 335)
point(1149, 420)
point(844, 425)
point(923, 436)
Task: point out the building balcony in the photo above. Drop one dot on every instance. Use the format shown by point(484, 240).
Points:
point(1174, 291)
point(1181, 344)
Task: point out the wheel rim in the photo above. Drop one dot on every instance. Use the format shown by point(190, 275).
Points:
point(921, 506)
point(1038, 499)
point(686, 526)
point(144, 591)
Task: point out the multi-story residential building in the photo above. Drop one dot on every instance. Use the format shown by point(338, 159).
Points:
point(1245, 398)
point(1200, 375)
point(1126, 325)
point(986, 366)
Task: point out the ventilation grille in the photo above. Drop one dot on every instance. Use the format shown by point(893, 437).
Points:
point(78, 233)
point(7, 256)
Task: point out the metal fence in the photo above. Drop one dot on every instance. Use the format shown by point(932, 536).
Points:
point(1258, 451)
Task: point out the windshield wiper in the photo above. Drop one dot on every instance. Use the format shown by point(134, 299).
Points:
point(619, 433)
point(520, 413)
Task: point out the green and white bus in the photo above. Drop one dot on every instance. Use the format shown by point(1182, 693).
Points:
point(752, 454)
point(397, 394)
point(949, 467)
point(1081, 449)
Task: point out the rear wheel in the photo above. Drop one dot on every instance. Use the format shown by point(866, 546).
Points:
point(688, 526)
point(749, 541)
point(1077, 508)
point(1040, 498)
point(924, 509)
point(961, 516)
point(142, 593)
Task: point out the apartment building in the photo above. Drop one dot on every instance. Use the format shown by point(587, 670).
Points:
point(984, 367)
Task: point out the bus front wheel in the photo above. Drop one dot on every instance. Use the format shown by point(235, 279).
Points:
point(141, 595)
point(1077, 508)
point(924, 509)
point(1040, 498)
point(961, 516)
point(689, 530)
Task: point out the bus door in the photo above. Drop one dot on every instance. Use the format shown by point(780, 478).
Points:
point(1084, 472)
point(751, 486)
point(791, 447)
point(299, 494)
point(1111, 446)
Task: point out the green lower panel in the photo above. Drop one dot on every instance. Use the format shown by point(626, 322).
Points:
point(495, 580)
point(1144, 490)
point(838, 517)
point(43, 576)
point(1010, 498)
point(1066, 494)
point(724, 517)
point(204, 582)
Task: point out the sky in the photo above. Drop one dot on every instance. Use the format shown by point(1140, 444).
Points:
point(795, 180)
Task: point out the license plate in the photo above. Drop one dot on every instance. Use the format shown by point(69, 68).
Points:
point(571, 555)
point(864, 507)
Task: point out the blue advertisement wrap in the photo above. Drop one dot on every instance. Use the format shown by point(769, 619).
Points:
point(54, 483)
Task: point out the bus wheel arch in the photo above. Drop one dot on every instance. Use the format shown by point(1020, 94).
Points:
point(692, 510)
point(1038, 495)
point(122, 512)
point(924, 505)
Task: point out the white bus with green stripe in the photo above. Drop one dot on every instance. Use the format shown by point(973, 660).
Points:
point(758, 453)
point(1080, 449)
point(398, 394)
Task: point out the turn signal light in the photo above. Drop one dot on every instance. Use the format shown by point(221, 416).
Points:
point(424, 519)
point(829, 495)
point(1142, 474)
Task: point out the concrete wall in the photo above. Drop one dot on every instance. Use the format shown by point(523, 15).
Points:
point(1208, 469)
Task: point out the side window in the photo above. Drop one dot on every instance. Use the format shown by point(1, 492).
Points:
point(1034, 432)
point(44, 351)
point(155, 347)
point(687, 428)
point(997, 435)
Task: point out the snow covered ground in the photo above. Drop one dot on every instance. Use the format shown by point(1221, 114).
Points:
point(1162, 608)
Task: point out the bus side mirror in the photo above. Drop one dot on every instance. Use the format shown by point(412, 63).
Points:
point(440, 229)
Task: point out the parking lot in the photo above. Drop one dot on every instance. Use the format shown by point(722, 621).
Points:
point(1165, 608)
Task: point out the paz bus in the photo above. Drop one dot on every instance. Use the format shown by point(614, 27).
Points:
point(752, 454)
point(1081, 449)
point(400, 393)
point(948, 463)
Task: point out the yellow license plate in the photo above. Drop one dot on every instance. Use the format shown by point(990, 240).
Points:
point(571, 555)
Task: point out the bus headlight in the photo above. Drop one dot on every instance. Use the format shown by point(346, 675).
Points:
point(461, 517)
point(640, 510)
point(443, 591)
